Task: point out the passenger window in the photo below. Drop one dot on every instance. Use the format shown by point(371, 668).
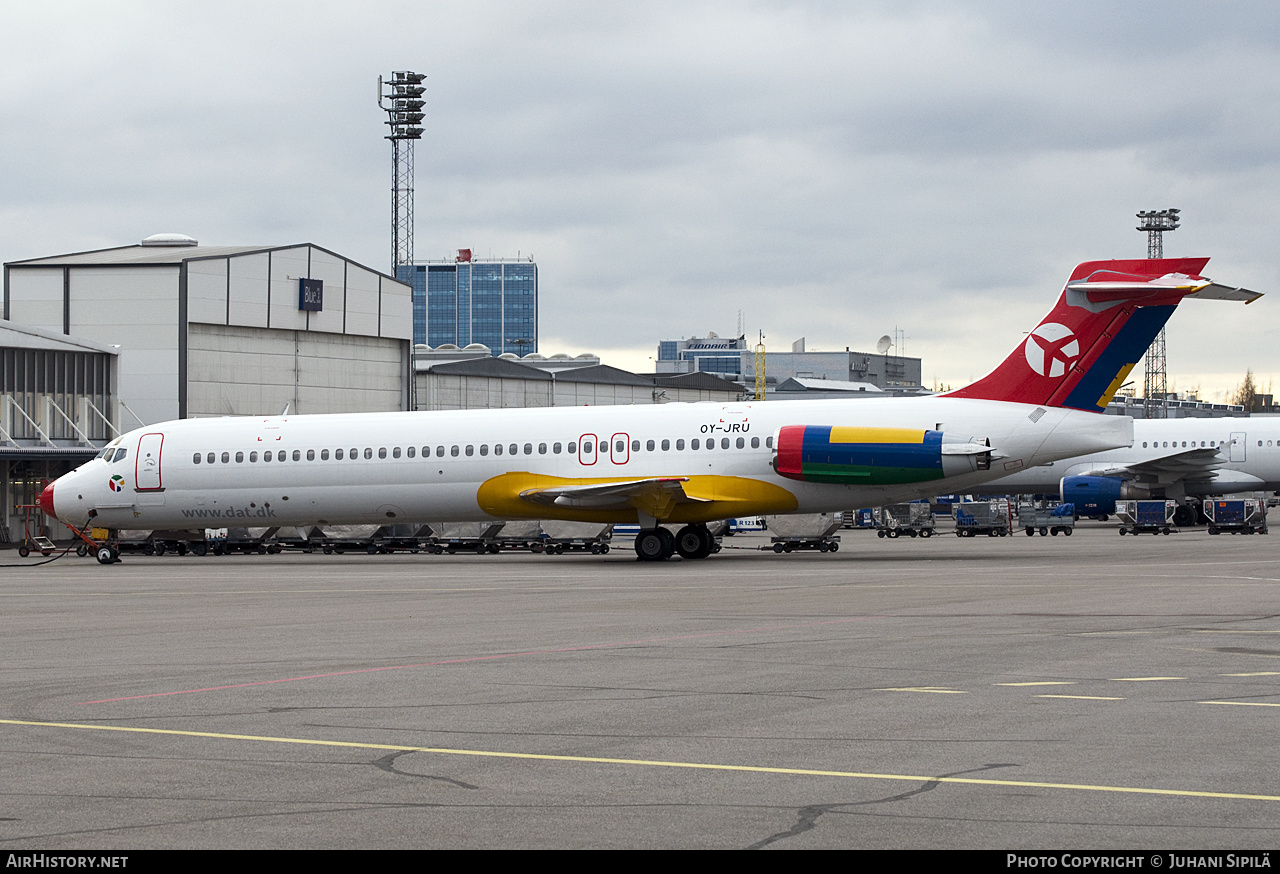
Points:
point(226, 458)
point(666, 445)
point(395, 453)
point(620, 446)
point(454, 450)
point(648, 446)
point(484, 448)
point(280, 455)
point(239, 458)
point(573, 448)
point(542, 449)
point(382, 452)
point(497, 449)
point(368, 452)
point(195, 459)
point(440, 452)
point(742, 444)
point(635, 446)
point(209, 458)
point(695, 443)
point(253, 457)
point(604, 445)
point(324, 454)
point(555, 449)
point(528, 449)
point(297, 455)
point(513, 449)
point(724, 442)
point(354, 454)
point(470, 449)
point(411, 451)
point(680, 445)
point(755, 442)
point(337, 454)
point(768, 442)
point(266, 456)
point(311, 455)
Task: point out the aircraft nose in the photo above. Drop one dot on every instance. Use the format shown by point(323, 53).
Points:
point(46, 500)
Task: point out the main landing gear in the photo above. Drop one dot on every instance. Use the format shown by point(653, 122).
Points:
point(659, 544)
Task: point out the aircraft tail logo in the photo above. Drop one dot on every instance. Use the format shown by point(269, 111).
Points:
point(1051, 349)
point(1106, 317)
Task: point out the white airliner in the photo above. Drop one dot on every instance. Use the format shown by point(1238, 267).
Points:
point(681, 464)
point(1170, 458)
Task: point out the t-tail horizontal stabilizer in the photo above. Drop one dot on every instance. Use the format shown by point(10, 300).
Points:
point(1108, 314)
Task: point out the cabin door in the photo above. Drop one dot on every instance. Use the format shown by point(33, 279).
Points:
point(147, 471)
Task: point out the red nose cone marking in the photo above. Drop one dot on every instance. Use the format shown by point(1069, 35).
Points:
point(46, 500)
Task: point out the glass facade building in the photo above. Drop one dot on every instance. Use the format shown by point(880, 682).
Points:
point(464, 302)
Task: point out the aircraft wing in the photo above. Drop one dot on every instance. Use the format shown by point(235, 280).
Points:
point(1190, 464)
point(641, 494)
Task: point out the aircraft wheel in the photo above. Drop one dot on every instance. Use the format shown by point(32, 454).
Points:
point(1184, 516)
point(651, 545)
point(694, 541)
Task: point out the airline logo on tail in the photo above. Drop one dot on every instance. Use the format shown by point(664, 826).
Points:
point(1052, 349)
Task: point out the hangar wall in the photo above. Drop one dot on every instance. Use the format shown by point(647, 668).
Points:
point(237, 371)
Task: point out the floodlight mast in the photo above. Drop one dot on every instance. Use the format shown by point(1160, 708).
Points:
point(403, 93)
point(1155, 404)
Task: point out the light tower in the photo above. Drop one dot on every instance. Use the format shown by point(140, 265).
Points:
point(1155, 222)
point(403, 93)
point(760, 363)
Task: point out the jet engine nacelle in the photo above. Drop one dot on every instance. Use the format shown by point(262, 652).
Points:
point(851, 455)
point(1097, 495)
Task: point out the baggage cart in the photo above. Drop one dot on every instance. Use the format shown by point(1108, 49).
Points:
point(991, 518)
point(1237, 515)
point(806, 531)
point(1143, 517)
point(1048, 521)
point(912, 520)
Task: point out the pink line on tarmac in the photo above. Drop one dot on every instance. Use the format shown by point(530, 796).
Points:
point(509, 655)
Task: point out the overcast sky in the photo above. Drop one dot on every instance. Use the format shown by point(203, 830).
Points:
point(831, 169)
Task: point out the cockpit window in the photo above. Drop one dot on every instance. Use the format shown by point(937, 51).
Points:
point(120, 454)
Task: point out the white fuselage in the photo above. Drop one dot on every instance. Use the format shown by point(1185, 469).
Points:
point(429, 466)
point(1249, 449)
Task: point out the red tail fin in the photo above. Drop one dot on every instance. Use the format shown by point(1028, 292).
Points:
point(1105, 319)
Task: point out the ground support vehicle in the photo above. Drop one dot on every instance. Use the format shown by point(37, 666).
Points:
point(1047, 520)
point(1146, 517)
point(911, 520)
point(992, 518)
point(592, 537)
point(814, 531)
point(454, 537)
point(1237, 515)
